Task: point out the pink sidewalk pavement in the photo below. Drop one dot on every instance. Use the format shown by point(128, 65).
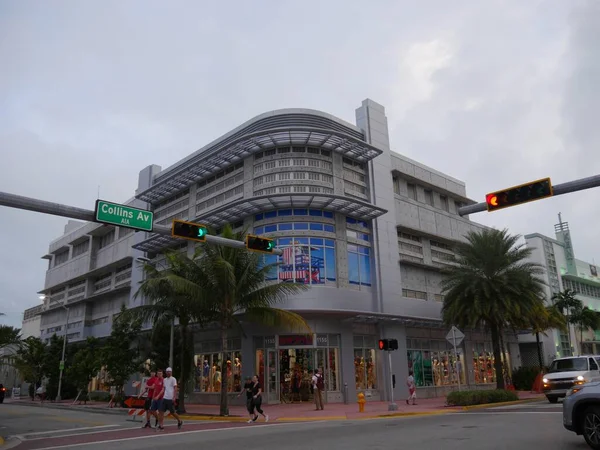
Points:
point(299, 411)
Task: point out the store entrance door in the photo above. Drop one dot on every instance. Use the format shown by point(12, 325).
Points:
point(272, 383)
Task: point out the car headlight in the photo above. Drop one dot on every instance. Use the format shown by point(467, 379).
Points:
point(580, 378)
point(574, 390)
point(545, 380)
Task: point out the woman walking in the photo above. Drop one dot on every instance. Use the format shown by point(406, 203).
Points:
point(256, 390)
point(248, 390)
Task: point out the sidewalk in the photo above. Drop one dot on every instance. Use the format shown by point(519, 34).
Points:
point(290, 412)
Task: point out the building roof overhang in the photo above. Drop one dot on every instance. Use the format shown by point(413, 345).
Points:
point(221, 156)
point(242, 208)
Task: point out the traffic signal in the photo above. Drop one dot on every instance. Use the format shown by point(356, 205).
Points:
point(388, 344)
point(259, 244)
point(188, 230)
point(528, 192)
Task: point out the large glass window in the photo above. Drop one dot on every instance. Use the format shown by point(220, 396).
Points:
point(483, 363)
point(294, 212)
point(304, 260)
point(434, 363)
point(209, 372)
point(359, 265)
point(365, 362)
point(296, 226)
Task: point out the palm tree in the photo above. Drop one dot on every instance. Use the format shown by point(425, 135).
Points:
point(585, 318)
point(9, 336)
point(491, 284)
point(217, 284)
point(229, 284)
point(547, 318)
point(167, 303)
point(567, 304)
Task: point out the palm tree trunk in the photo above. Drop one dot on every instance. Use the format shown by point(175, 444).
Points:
point(495, 331)
point(539, 351)
point(183, 376)
point(224, 409)
point(503, 359)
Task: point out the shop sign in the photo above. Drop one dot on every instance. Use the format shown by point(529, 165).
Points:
point(270, 341)
point(292, 340)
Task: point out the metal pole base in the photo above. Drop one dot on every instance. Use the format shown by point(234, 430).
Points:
point(393, 407)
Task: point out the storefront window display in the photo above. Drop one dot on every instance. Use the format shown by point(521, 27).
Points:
point(209, 372)
point(434, 363)
point(304, 260)
point(483, 363)
point(365, 362)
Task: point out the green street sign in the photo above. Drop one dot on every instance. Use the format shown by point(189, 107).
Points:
point(61, 365)
point(124, 216)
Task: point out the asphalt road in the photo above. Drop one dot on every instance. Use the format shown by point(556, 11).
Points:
point(528, 426)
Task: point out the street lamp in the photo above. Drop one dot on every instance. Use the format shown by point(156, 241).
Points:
point(62, 360)
point(144, 260)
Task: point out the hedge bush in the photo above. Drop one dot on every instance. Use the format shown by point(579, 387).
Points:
point(467, 398)
point(524, 377)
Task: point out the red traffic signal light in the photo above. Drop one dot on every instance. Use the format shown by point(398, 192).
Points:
point(528, 192)
point(384, 344)
point(188, 230)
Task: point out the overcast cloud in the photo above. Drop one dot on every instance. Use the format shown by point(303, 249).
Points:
point(494, 93)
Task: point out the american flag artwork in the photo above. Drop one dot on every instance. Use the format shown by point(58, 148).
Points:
point(297, 265)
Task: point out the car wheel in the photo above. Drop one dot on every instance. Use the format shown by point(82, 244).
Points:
point(591, 427)
point(552, 399)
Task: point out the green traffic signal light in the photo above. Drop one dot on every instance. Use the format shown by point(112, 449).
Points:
point(188, 230)
point(258, 244)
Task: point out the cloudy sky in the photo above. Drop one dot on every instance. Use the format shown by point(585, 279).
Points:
point(492, 92)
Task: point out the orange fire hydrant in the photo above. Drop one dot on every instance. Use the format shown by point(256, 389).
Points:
point(361, 402)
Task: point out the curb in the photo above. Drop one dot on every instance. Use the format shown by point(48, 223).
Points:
point(416, 414)
point(2, 441)
point(114, 411)
point(495, 405)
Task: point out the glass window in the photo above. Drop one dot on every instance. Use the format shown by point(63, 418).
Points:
point(316, 226)
point(286, 227)
point(259, 217)
point(285, 212)
point(483, 363)
point(304, 263)
point(259, 230)
point(329, 228)
point(328, 214)
point(301, 226)
point(434, 363)
point(209, 372)
point(270, 228)
point(365, 368)
point(316, 212)
point(359, 265)
point(270, 215)
point(301, 212)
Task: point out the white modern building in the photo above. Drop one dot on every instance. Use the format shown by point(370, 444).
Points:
point(31, 322)
point(367, 228)
point(562, 271)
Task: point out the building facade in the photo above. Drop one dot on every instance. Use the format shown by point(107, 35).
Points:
point(31, 322)
point(368, 229)
point(562, 271)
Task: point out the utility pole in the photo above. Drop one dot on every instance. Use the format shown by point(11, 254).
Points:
point(57, 209)
point(559, 189)
point(64, 348)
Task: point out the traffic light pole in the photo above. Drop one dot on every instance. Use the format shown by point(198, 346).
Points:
point(559, 189)
point(72, 212)
point(392, 406)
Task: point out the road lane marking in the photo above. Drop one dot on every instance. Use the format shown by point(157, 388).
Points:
point(73, 420)
point(490, 413)
point(171, 435)
point(37, 433)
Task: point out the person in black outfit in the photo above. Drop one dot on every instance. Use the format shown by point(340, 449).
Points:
point(248, 390)
point(256, 390)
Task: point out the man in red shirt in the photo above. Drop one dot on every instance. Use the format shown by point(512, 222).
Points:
point(149, 389)
point(157, 398)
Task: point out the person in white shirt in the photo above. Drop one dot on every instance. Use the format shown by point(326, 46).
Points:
point(168, 403)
